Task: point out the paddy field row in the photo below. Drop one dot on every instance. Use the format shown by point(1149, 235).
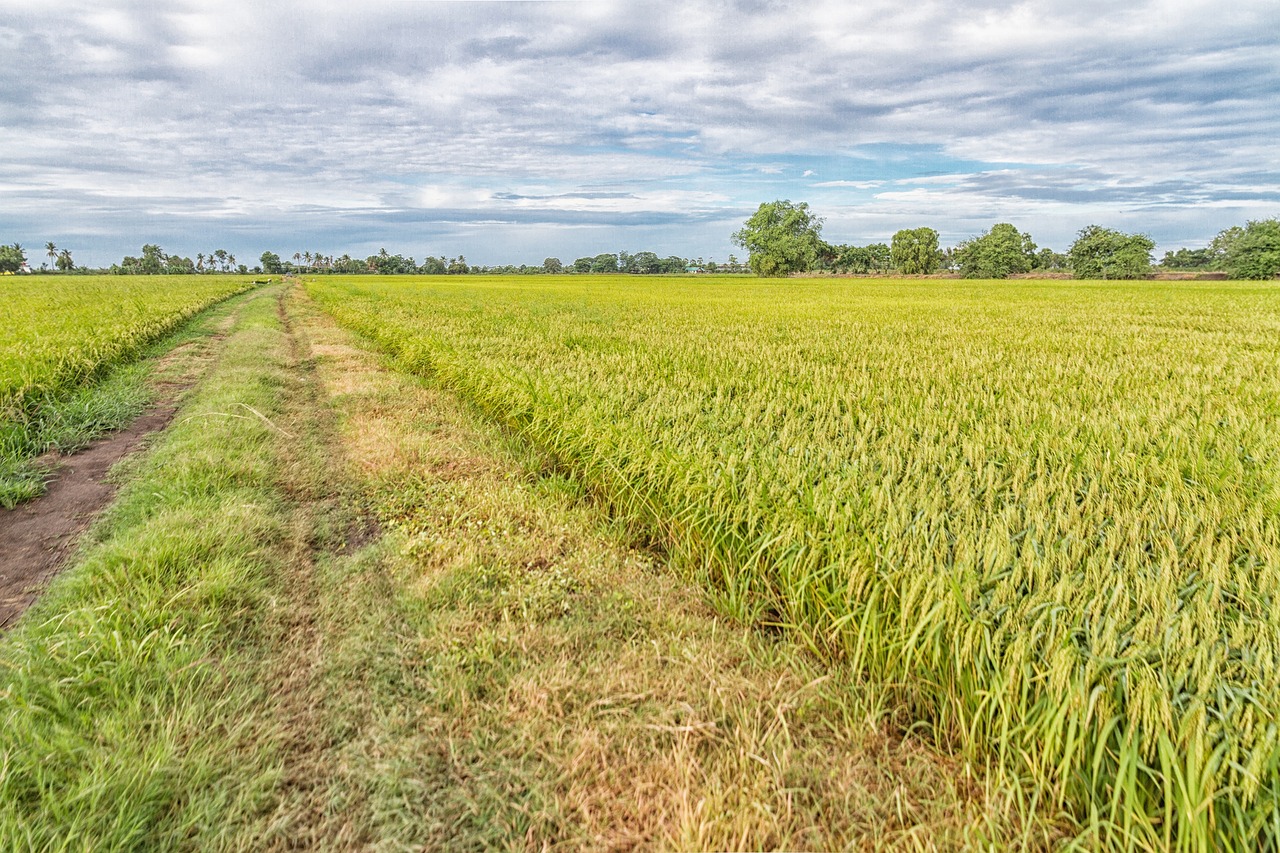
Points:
point(1046, 511)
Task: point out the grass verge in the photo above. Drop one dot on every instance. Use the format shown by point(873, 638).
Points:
point(137, 709)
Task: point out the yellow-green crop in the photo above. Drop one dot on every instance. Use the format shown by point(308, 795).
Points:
point(60, 331)
point(1049, 510)
point(62, 335)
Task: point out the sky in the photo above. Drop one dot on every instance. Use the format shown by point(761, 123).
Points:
point(513, 131)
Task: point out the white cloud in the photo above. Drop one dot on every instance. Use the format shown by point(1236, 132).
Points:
point(857, 185)
point(248, 121)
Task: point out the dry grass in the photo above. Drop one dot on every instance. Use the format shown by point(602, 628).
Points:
point(508, 671)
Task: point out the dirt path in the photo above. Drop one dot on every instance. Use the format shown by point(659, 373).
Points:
point(37, 537)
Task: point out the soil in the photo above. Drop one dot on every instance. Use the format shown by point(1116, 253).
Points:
point(36, 537)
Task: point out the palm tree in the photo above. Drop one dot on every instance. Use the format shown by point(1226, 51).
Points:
point(51, 250)
point(200, 261)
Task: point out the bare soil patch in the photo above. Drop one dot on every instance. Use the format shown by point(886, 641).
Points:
point(36, 537)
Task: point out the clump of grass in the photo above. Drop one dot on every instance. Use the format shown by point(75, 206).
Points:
point(66, 425)
point(1045, 510)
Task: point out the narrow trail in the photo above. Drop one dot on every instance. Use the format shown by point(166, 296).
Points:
point(37, 537)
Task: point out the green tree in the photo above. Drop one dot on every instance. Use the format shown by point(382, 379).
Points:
point(1254, 252)
point(1220, 246)
point(552, 265)
point(1187, 259)
point(152, 260)
point(914, 251)
point(52, 251)
point(385, 263)
point(430, 266)
point(1109, 254)
point(861, 259)
point(1048, 259)
point(605, 262)
point(271, 263)
point(781, 238)
point(997, 253)
point(64, 261)
point(645, 263)
point(12, 258)
point(880, 257)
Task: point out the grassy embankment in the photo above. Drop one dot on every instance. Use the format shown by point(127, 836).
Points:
point(1046, 511)
point(69, 367)
point(227, 667)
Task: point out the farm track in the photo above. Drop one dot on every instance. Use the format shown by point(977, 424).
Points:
point(325, 526)
point(38, 537)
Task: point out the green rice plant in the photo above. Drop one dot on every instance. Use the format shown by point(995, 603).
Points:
point(1050, 511)
point(62, 332)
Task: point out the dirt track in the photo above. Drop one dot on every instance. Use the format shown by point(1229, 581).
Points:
point(37, 537)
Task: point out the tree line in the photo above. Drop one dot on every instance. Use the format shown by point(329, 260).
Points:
point(153, 260)
point(783, 238)
point(385, 263)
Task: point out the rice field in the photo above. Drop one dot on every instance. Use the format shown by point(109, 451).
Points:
point(62, 336)
point(60, 331)
point(1046, 513)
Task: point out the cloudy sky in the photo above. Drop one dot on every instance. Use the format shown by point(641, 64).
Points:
point(510, 131)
